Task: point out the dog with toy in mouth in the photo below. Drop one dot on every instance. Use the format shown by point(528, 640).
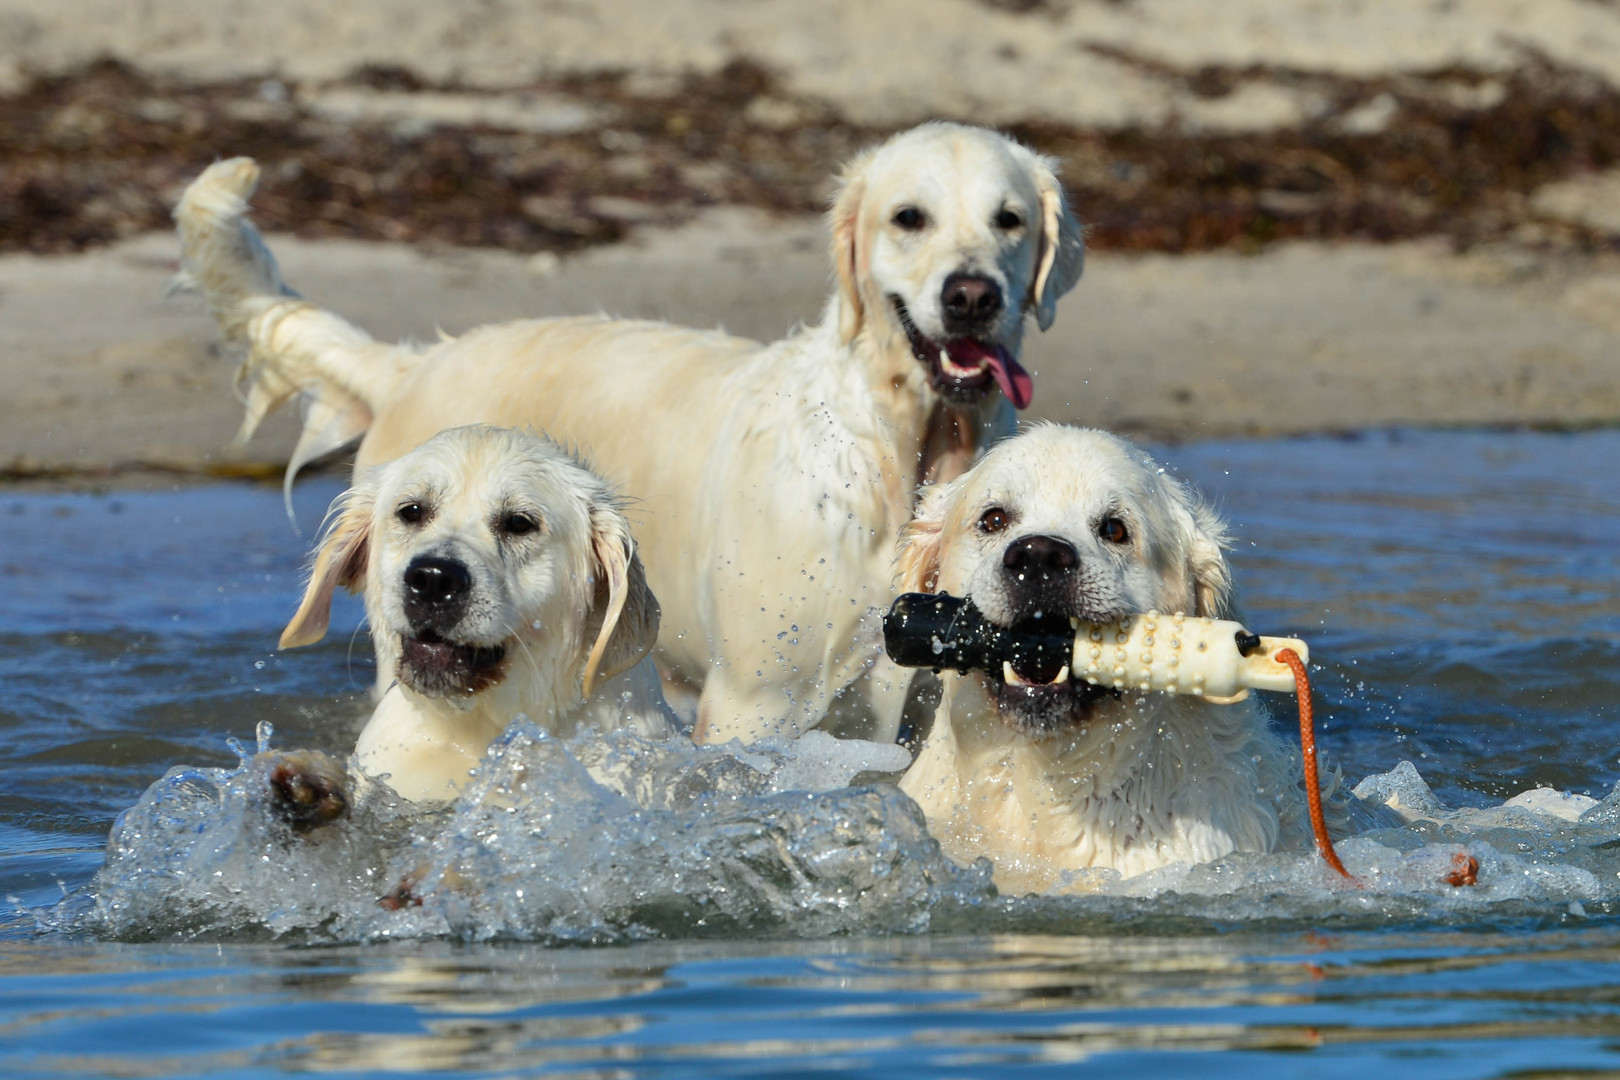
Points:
point(1036, 769)
point(500, 577)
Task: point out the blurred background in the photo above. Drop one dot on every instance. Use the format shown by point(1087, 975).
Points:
point(1306, 216)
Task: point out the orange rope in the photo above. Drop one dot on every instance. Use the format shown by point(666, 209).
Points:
point(1307, 745)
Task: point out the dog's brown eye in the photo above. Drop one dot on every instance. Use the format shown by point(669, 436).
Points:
point(909, 218)
point(518, 524)
point(994, 520)
point(1113, 530)
point(411, 513)
point(1009, 220)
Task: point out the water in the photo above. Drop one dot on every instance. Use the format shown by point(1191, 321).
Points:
point(1457, 591)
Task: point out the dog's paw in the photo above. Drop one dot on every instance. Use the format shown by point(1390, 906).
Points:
point(401, 896)
point(307, 789)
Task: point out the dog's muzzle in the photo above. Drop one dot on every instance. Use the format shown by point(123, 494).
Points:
point(433, 666)
point(1041, 587)
point(436, 593)
point(964, 368)
point(969, 304)
point(1037, 693)
point(1040, 573)
point(1025, 667)
point(436, 596)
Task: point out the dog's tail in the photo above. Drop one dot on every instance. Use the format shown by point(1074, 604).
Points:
point(293, 347)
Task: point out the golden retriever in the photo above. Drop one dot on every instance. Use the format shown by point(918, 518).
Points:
point(500, 578)
point(776, 478)
point(1044, 773)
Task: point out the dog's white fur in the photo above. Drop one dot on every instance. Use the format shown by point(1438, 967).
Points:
point(775, 478)
point(1132, 782)
point(568, 601)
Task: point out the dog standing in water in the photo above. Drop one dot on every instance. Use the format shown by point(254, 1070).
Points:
point(500, 578)
point(1038, 770)
point(775, 478)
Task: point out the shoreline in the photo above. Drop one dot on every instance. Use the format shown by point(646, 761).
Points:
point(144, 476)
point(112, 379)
point(1330, 219)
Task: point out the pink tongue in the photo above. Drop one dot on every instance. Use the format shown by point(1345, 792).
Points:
point(1014, 381)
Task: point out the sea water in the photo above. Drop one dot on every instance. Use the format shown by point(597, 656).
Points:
point(753, 914)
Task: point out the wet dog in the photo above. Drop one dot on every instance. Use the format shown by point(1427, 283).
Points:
point(1036, 769)
point(500, 578)
point(776, 477)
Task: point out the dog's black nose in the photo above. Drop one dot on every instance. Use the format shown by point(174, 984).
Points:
point(1043, 557)
point(969, 302)
point(436, 592)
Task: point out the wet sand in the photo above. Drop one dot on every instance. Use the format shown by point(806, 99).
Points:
point(1302, 219)
point(108, 375)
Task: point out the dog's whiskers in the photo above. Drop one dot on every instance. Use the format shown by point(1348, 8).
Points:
point(348, 656)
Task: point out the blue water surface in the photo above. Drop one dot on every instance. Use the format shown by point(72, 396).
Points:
point(1457, 589)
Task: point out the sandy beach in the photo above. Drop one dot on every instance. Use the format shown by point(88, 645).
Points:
point(1305, 217)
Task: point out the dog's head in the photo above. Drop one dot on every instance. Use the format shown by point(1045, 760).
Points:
point(486, 555)
point(1062, 523)
point(944, 237)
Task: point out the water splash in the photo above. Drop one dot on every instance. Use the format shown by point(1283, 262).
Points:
point(615, 838)
point(607, 838)
point(600, 839)
point(1531, 865)
point(201, 855)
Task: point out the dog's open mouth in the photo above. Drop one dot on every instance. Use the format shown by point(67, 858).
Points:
point(1036, 692)
point(964, 368)
point(433, 666)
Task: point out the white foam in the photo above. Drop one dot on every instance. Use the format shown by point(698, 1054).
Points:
point(1567, 806)
point(607, 838)
point(604, 838)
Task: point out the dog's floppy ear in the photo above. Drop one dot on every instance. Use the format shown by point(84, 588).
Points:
point(923, 540)
point(624, 613)
point(340, 560)
point(1062, 254)
point(845, 223)
point(1206, 560)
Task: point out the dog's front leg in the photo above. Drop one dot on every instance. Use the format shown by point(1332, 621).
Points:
point(752, 710)
point(887, 687)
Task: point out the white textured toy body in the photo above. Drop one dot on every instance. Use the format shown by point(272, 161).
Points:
point(1181, 654)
